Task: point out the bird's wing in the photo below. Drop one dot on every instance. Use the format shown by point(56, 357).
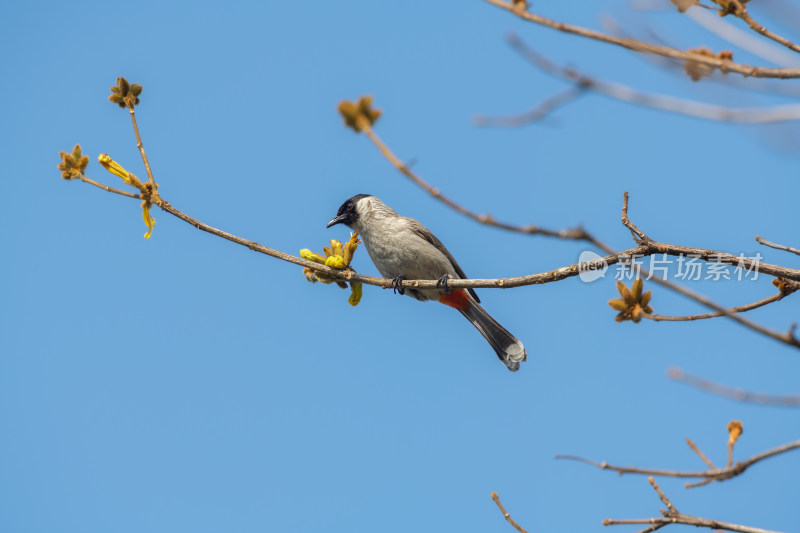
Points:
point(426, 234)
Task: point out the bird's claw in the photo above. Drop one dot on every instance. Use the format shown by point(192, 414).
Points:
point(397, 285)
point(442, 283)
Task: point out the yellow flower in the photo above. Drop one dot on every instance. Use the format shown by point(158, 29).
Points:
point(350, 248)
point(735, 430)
point(337, 256)
point(335, 261)
point(149, 221)
point(355, 293)
point(308, 255)
point(336, 247)
point(116, 169)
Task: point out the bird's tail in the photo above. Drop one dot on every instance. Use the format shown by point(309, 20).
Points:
point(510, 350)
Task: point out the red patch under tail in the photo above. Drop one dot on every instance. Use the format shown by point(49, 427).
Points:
point(457, 298)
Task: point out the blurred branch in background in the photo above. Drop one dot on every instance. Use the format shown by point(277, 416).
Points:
point(584, 83)
point(735, 394)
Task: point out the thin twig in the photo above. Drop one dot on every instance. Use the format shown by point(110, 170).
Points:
point(742, 39)
point(672, 516)
point(765, 242)
point(702, 456)
point(90, 181)
point(709, 475)
point(637, 46)
point(739, 309)
point(741, 11)
point(141, 148)
point(638, 235)
point(507, 516)
point(735, 394)
point(661, 495)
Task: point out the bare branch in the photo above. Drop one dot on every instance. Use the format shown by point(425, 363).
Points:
point(507, 516)
point(672, 516)
point(694, 58)
point(735, 394)
point(664, 499)
point(739, 309)
point(656, 247)
point(737, 8)
point(90, 181)
point(638, 235)
point(743, 39)
point(140, 146)
point(720, 474)
point(702, 456)
point(765, 242)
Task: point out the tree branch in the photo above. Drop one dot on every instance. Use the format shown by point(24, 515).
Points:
point(672, 516)
point(507, 516)
point(505, 283)
point(738, 261)
point(740, 309)
point(694, 58)
point(765, 242)
point(720, 474)
point(737, 8)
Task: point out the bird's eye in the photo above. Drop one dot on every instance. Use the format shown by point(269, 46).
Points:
point(349, 207)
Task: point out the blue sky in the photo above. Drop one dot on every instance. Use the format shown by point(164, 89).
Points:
point(184, 383)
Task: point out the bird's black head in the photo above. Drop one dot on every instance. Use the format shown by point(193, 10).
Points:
point(347, 213)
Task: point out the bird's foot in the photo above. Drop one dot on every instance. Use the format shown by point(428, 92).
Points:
point(442, 283)
point(396, 285)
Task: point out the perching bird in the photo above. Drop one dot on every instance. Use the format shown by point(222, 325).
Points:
point(402, 248)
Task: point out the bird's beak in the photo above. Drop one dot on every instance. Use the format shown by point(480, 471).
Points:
point(338, 220)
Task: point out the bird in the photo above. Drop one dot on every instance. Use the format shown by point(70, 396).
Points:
point(402, 248)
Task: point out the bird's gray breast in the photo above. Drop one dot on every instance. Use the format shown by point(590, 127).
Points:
point(397, 250)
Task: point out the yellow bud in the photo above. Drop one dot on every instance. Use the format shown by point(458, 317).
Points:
point(355, 294)
point(735, 430)
point(335, 261)
point(116, 169)
point(336, 246)
point(350, 248)
point(148, 220)
point(308, 255)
